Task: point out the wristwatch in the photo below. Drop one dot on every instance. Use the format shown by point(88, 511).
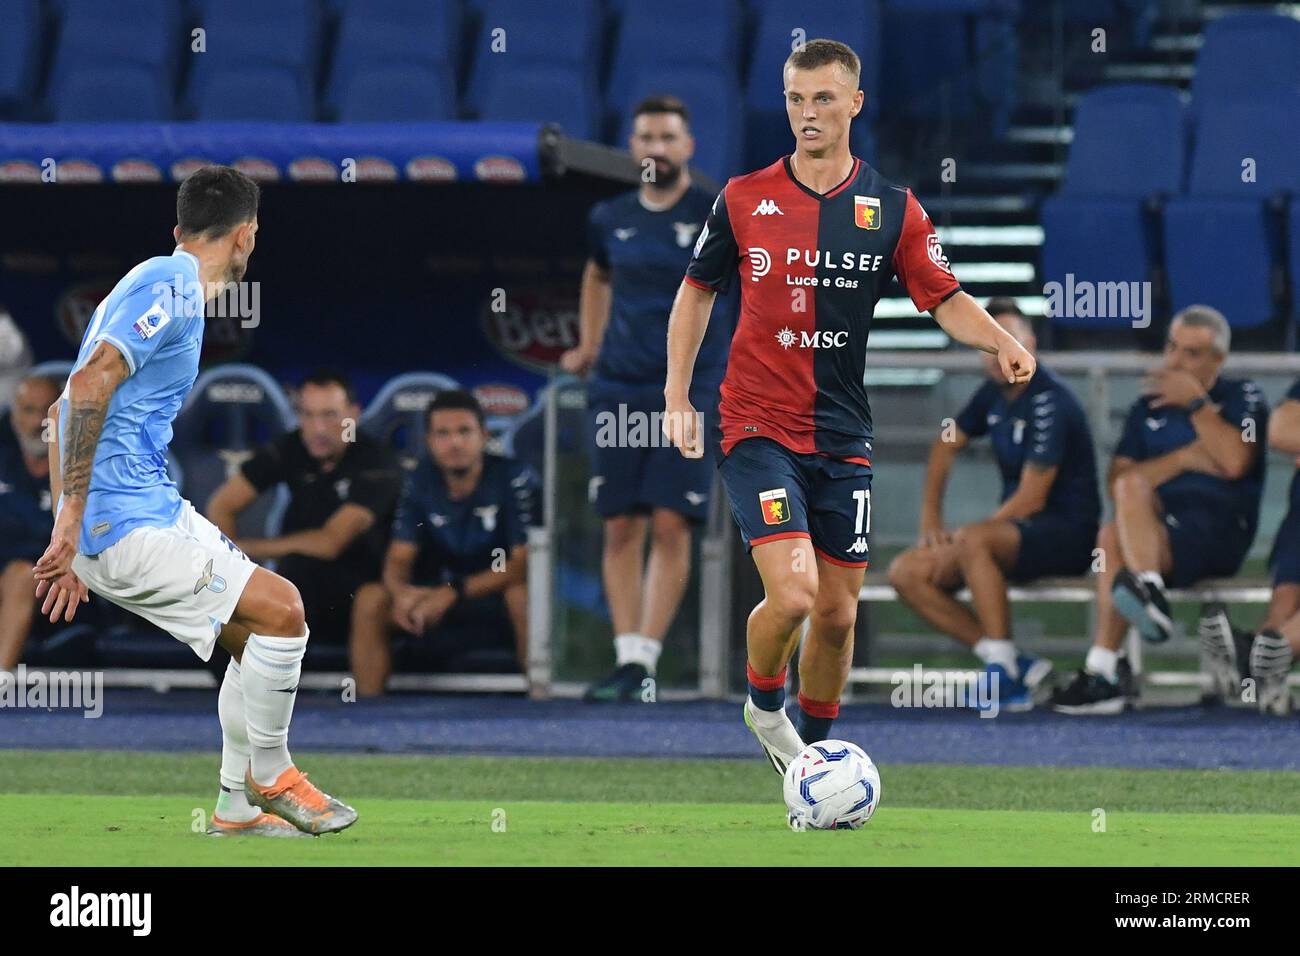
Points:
point(1195, 405)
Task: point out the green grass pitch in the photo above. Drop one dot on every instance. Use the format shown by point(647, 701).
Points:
point(95, 808)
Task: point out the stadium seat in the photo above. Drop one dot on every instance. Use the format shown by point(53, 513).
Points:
point(254, 93)
point(710, 96)
point(1222, 240)
point(1128, 149)
point(855, 22)
point(1293, 266)
point(532, 35)
point(252, 34)
point(115, 93)
point(231, 410)
point(397, 94)
point(543, 93)
point(396, 414)
point(643, 45)
point(19, 53)
point(393, 34)
point(1247, 55)
point(138, 33)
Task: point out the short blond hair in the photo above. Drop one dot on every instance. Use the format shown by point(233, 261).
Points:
point(817, 53)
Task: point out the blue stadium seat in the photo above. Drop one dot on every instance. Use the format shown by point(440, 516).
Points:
point(543, 93)
point(19, 52)
point(254, 93)
point(251, 34)
point(712, 41)
point(1293, 266)
point(231, 410)
point(854, 22)
point(533, 35)
point(710, 96)
point(396, 94)
point(140, 33)
point(396, 414)
point(1129, 147)
point(1221, 241)
point(1246, 55)
point(394, 33)
point(111, 93)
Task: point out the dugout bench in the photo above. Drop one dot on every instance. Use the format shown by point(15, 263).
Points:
point(1081, 590)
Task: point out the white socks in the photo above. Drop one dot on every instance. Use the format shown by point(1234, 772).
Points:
point(232, 805)
point(270, 670)
point(998, 652)
point(637, 649)
point(1102, 662)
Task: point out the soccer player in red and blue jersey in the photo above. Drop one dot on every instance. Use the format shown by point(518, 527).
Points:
point(813, 240)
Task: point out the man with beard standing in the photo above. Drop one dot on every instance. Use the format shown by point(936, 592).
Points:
point(641, 487)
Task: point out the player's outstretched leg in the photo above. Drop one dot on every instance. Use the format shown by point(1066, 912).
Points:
point(271, 610)
point(827, 652)
point(234, 815)
point(789, 574)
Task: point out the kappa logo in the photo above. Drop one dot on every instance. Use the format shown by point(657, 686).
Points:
point(760, 262)
point(213, 582)
point(767, 207)
point(776, 506)
point(857, 547)
point(623, 235)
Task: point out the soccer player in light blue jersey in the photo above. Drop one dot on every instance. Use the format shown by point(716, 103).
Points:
point(123, 531)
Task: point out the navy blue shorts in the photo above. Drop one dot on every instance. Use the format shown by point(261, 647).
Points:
point(775, 493)
point(1284, 562)
point(634, 468)
point(1051, 545)
point(1206, 541)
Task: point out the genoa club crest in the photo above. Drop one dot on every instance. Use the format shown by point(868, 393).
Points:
point(866, 212)
point(775, 505)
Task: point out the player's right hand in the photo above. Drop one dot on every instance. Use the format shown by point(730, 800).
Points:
point(57, 559)
point(577, 361)
point(682, 426)
point(62, 597)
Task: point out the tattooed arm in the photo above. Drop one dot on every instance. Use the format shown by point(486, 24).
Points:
point(90, 389)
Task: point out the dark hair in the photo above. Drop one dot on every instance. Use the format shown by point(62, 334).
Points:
point(817, 53)
point(1004, 305)
point(454, 399)
point(325, 377)
point(662, 103)
point(214, 200)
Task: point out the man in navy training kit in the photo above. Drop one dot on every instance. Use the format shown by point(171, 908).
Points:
point(1045, 524)
point(1186, 480)
point(641, 487)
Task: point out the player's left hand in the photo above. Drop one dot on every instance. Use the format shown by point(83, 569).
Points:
point(57, 559)
point(433, 606)
point(1168, 388)
point(1015, 360)
point(62, 597)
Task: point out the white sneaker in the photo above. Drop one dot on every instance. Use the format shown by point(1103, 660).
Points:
point(781, 742)
point(1270, 663)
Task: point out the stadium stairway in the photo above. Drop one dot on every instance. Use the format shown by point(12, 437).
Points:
point(989, 226)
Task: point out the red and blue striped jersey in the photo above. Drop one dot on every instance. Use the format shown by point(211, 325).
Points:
point(811, 269)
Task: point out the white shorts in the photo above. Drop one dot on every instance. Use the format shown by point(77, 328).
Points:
point(185, 579)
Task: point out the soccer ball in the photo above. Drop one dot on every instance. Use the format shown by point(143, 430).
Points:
point(831, 785)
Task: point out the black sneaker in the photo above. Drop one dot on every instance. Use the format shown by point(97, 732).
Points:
point(626, 684)
point(1143, 605)
point(1225, 653)
point(1090, 693)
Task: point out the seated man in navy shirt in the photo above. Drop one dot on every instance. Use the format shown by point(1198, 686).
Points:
point(1046, 522)
point(455, 576)
point(1234, 655)
point(1186, 480)
point(25, 517)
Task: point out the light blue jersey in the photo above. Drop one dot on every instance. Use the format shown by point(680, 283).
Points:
point(154, 317)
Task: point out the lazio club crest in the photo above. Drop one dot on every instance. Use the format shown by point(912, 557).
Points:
point(866, 212)
point(775, 505)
